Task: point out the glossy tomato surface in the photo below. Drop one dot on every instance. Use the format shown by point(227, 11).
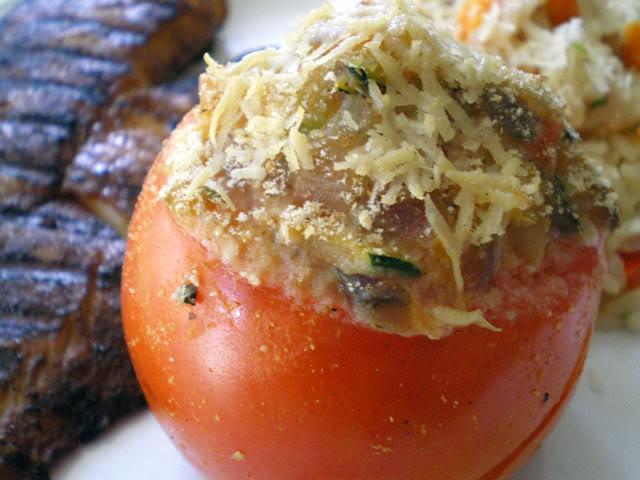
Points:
point(250, 386)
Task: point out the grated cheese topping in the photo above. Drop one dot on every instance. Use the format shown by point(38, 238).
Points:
point(372, 135)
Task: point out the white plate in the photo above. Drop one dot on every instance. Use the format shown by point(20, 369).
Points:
point(597, 439)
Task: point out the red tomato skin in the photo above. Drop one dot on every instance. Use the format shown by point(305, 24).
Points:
point(249, 384)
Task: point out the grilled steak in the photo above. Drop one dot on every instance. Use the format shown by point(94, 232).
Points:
point(77, 108)
point(60, 333)
point(62, 62)
point(65, 371)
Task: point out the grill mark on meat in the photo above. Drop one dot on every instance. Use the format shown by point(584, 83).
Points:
point(70, 219)
point(54, 237)
point(70, 52)
point(67, 120)
point(63, 66)
point(30, 290)
point(86, 36)
point(34, 145)
point(15, 329)
point(22, 188)
point(89, 22)
point(132, 15)
point(59, 322)
point(35, 97)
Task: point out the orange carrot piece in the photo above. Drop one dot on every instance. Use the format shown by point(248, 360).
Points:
point(561, 11)
point(631, 45)
point(471, 15)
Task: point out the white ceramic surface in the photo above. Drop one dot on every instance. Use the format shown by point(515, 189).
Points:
point(597, 439)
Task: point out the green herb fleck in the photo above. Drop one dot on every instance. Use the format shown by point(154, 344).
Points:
point(600, 102)
point(564, 216)
point(581, 48)
point(360, 74)
point(187, 293)
point(211, 195)
point(391, 263)
point(354, 82)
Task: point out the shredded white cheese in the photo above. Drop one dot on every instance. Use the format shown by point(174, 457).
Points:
point(376, 99)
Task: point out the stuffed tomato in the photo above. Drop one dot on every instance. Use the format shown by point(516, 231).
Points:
point(370, 254)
